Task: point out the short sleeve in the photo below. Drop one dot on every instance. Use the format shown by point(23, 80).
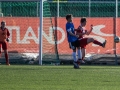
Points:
point(68, 27)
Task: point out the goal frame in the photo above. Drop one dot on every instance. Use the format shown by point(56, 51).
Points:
point(41, 25)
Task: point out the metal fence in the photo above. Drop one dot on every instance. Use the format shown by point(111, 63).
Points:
point(79, 8)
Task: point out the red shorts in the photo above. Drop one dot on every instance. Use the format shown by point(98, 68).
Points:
point(3, 45)
point(83, 42)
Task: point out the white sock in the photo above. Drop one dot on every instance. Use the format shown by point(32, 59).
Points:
point(74, 56)
point(79, 54)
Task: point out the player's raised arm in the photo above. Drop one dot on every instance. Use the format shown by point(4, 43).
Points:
point(88, 32)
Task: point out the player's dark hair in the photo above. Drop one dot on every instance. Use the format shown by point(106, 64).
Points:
point(68, 16)
point(2, 22)
point(83, 20)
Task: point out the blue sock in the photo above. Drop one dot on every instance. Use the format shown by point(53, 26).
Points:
point(79, 54)
point(74, 56)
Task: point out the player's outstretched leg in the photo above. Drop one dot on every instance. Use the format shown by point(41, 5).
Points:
point(86, 41)
point(89, 40)
point(104, 43)
point(99, 43)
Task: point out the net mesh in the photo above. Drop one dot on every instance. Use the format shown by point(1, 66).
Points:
point(50, 51)
point(99, 8)
point(81, 8)
point(21, 9)
point(22, 20)
point(99, 13)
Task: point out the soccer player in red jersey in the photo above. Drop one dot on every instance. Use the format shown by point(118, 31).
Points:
point(4, 38)
point(83, 40)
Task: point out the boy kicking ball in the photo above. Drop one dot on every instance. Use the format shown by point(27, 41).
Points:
point(85, 41)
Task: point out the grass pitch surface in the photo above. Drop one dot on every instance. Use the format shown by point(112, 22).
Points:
point(33, 77)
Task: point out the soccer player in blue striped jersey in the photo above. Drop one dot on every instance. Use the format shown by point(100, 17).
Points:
point(73, 40)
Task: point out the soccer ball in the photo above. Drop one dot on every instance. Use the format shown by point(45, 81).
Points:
point(116, 39)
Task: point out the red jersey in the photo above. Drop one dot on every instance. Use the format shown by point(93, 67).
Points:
point(80, 30)
point(4, 34)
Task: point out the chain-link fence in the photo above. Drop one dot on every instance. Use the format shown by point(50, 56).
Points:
point(79, 8)
point(23, 17)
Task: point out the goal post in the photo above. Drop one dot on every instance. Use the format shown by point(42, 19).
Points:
point(41, 33)
point(38, 26)
point(41, 28)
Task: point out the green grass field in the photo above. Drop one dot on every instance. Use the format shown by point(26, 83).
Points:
point(35, 77)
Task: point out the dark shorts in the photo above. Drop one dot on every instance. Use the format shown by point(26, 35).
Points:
point(3, 45)
point(75, 44)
